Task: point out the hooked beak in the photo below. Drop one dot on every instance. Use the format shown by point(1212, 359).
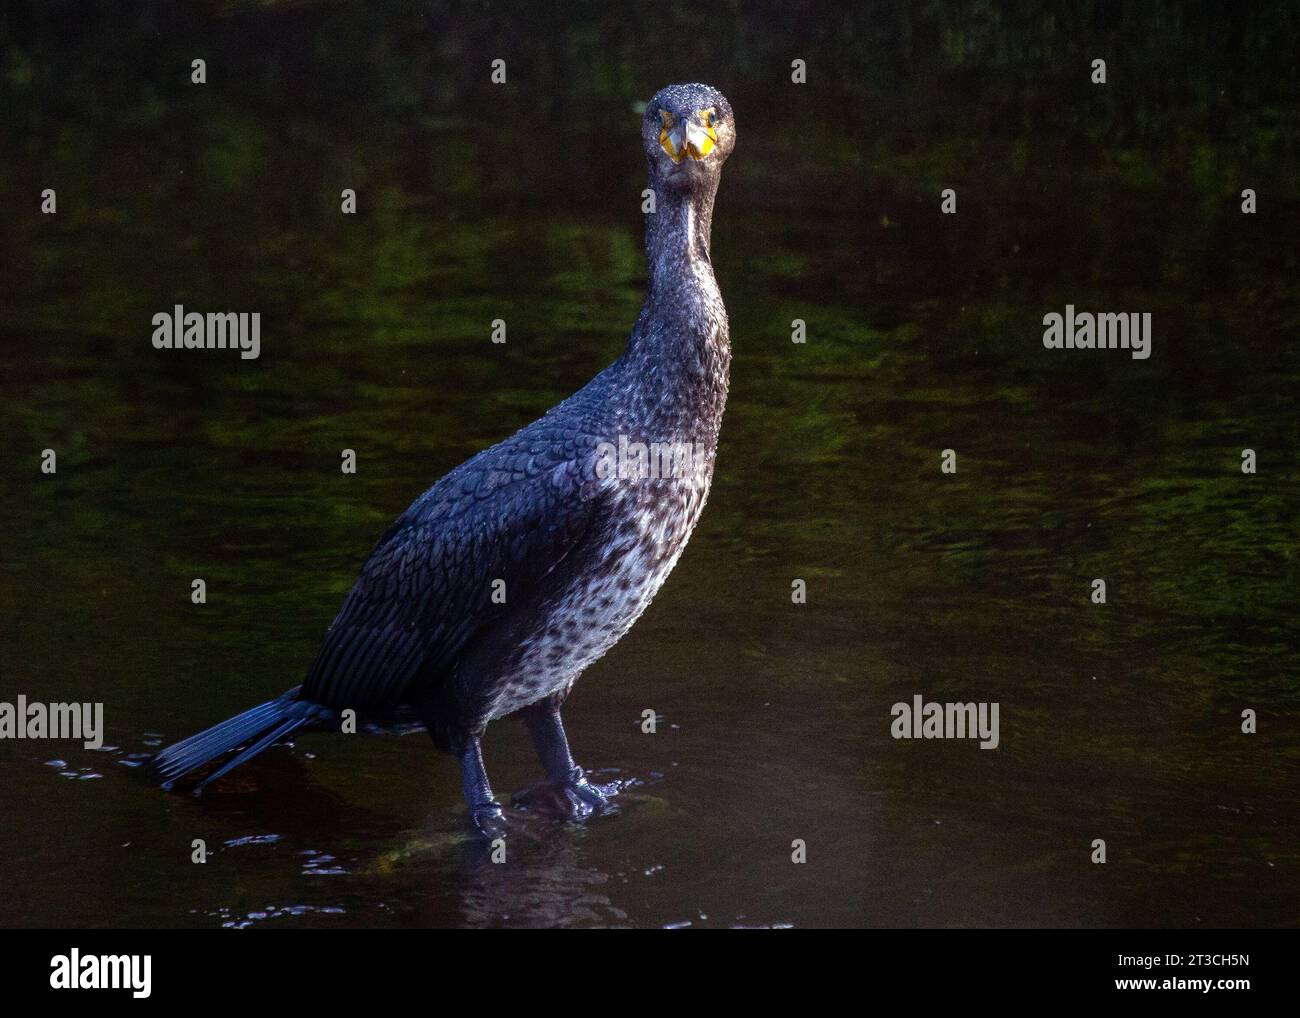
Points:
point(685, 137)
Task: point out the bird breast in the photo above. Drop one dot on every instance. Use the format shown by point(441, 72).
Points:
point(652, 521)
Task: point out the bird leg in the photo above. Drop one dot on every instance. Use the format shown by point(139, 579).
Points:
point(566, 790)
point(484, 810)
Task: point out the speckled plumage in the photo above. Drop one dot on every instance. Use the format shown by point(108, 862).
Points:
point(581, 553)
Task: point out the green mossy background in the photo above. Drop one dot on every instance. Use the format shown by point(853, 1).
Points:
point(522, 202)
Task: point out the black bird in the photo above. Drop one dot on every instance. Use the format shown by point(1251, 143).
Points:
point(500, 584)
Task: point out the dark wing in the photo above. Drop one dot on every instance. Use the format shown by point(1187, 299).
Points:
point(514, 513)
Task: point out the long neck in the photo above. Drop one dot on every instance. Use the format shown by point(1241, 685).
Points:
point(677, 233)
point(680, 346)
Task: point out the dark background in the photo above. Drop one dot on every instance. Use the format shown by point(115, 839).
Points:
point(522, 202)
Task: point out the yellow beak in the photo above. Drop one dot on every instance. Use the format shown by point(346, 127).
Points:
point(682, 138)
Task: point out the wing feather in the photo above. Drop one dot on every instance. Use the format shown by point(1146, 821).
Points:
point(514, 512)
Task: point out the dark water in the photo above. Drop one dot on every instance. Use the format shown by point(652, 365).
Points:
point(521, 202)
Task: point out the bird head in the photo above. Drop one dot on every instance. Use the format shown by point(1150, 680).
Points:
point(688, 132)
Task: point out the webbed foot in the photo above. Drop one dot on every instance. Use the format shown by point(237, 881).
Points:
point(489, 819)
point(572, 797)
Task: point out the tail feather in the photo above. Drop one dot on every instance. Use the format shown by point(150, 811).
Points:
point(257, 728)
point(277, 733)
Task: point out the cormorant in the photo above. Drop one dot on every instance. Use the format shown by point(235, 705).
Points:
point(500, 584)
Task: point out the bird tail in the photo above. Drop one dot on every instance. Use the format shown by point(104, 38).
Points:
point(255, 729)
